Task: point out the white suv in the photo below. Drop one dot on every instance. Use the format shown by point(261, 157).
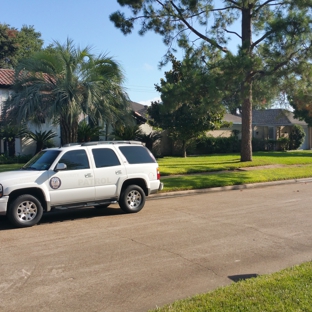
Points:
point(88, 174)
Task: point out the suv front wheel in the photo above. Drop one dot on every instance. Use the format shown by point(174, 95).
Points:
point(25, 210)
point(132, 199)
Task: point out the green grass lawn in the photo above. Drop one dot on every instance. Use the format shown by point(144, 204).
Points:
point(210, 163)
point(230, 178)
point(9, 167)
point(227, 170)
point(288, 290)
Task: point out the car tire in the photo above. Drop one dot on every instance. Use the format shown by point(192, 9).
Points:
point(25, 211)
point(132, 199)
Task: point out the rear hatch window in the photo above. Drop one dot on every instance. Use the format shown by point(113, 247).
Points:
point(137, 154)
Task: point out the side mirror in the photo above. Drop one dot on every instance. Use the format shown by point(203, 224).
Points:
point(60, 166)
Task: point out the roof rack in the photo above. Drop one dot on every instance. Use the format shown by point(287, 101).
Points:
point(70, 144)
point(111, 142)
point(102, 142)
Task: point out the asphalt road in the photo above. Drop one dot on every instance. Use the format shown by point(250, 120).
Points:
point(104, 260)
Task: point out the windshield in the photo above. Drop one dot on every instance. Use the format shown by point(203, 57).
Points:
point(42, 160)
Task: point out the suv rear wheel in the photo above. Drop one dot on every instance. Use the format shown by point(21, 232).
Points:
point(25, 210)
point(132, 199)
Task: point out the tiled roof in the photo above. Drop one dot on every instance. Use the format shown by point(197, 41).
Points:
point(275, 117)
point(6, 77)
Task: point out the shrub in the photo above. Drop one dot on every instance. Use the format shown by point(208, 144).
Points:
point(43, 139)
point(87, 132)
point(296, 137)
point(20, 159)
point(219, 145)
point(258, 145)
point(283, 144)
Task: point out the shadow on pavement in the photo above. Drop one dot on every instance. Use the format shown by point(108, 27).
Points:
point(241, 277)
point(5, 224)
point(67, 215)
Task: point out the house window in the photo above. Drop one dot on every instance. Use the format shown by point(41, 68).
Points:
point(4, 95)
point(271, 133)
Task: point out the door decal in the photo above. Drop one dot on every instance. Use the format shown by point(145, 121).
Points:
point(55, 183)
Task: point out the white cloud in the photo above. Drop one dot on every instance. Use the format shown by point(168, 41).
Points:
point(148, 102)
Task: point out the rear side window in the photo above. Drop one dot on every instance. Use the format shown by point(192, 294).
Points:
point(137, 154)
point(105, 157)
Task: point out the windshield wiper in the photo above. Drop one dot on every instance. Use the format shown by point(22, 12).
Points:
point(29, 168)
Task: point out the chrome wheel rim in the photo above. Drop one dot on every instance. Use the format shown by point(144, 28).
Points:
point(134, 199)
point(27, 211)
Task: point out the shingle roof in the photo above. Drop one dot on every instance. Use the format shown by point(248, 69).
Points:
point(275, 117)
point(232, 118)
point(139, 108)
point(6, 77)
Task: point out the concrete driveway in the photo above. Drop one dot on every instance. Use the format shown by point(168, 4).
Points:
point(104, 260)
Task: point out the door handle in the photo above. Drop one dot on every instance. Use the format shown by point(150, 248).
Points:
point(88, 175)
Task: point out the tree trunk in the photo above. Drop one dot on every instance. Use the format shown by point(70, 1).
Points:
point(11, 147)
point(106, 131)
point(184, 148)
point(69, 129)
point(39, 147)
point(246, 144)
point(246, 89)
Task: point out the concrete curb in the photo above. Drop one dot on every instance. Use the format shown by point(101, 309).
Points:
point(225, 188)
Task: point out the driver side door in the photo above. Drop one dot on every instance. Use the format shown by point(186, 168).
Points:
point(75, 184)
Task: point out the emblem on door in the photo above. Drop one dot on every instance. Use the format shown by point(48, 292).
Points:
point(55, 183)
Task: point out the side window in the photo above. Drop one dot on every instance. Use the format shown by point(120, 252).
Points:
point(105, 157)
point(75, 160)
point(137, 154)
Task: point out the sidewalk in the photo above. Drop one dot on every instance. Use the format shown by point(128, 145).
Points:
point(162, 195)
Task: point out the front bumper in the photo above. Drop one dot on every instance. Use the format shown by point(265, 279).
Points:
point(3, 205)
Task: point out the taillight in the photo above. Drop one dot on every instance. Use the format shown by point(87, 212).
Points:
point(158, 174)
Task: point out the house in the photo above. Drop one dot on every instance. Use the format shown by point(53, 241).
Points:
point(267, 124)
point(236, 124)
point(272, 124)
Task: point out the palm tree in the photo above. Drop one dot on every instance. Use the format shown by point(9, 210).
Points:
point(149, 139)
point(41, 138)
point(8, 133)
point(63, 83)
point(87, 132)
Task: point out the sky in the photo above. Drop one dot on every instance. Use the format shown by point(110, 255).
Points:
point(87, 23)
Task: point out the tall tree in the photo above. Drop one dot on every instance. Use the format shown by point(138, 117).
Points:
point(17, 44)
point(274, 37)
point(62, 83)
point(187, 109)
point(298, 90)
